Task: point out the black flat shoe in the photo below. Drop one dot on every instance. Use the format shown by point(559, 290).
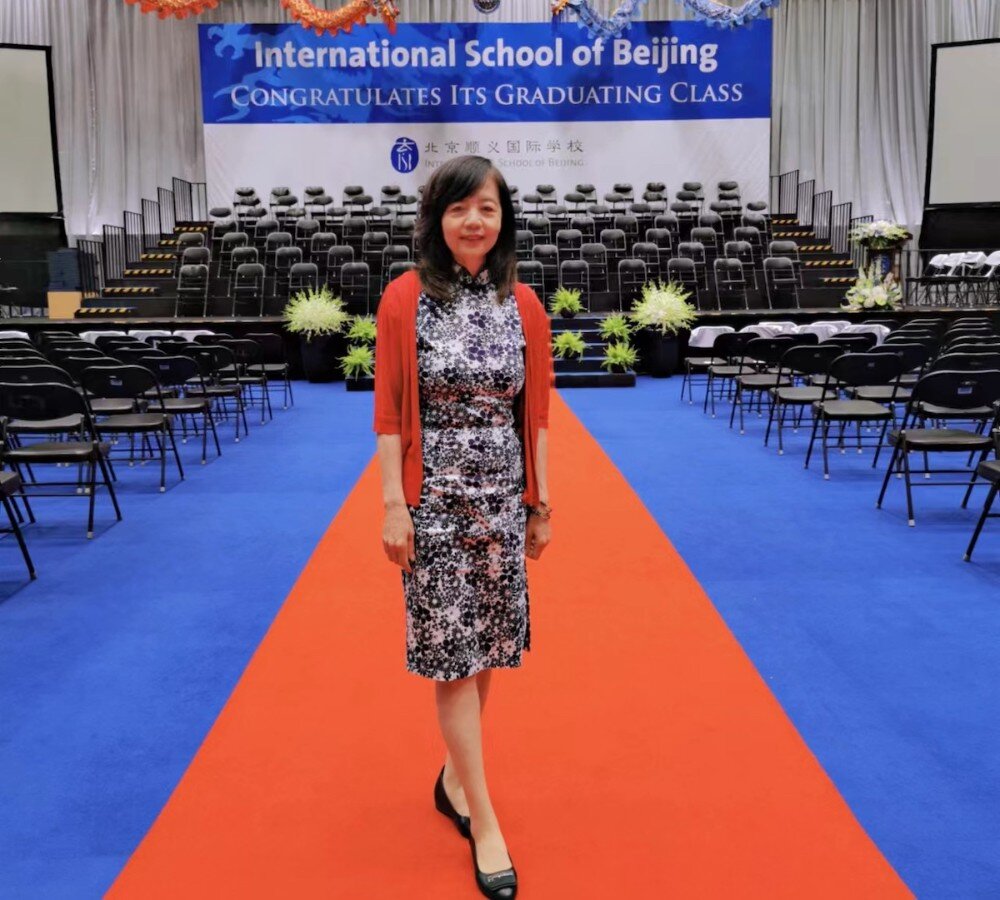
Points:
point(500, 885)
point(443, 805)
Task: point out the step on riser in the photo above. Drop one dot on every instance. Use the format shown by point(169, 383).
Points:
point(149, 273)
point(614, 379)
point(566, 366)
point(131, 292)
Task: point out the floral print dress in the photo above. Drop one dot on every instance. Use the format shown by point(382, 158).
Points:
point(467, 596)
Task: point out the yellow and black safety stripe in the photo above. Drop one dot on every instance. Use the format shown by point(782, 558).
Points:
point(815, 248)
point(149, 273)
point(151, 257)
point(840, 279)
point(839, 263)
point(184, 229)
point(121, 291)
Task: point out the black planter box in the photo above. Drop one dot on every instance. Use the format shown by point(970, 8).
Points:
point(364, 383)
point(661, 354)
point(319, 357)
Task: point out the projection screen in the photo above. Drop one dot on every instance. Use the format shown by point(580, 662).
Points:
point(28, 179)
point(963, 154)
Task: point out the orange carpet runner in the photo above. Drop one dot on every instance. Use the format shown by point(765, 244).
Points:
point(636, 754)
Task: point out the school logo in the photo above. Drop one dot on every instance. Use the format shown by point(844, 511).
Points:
point(404, 155)
point(486, 6)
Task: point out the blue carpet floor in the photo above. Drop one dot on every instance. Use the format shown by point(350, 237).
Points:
point(879, 642)
point(875, 637)
point(115, 663)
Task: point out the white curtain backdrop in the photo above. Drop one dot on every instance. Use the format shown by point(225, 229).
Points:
point(850, 90)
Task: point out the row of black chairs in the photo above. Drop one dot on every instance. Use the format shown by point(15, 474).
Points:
point(732, 277)
point(64, 402)
point(391, 197)
point(928, 388)
point(608, 265)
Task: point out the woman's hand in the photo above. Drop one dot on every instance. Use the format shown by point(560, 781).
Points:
point(397, 536)
point(537, 535)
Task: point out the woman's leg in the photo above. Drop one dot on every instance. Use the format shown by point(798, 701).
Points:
point(459, 708)
point(452, 785)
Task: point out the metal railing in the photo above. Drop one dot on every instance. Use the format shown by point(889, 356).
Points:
point(150, 224)
point(190, 201)
point(133, 236)
point(788, 189)
point(821, 206)
point(804, 201)
point(113, 254)
point(91, 272)
point(167, 218)
point(858, 252)
point(840, 226)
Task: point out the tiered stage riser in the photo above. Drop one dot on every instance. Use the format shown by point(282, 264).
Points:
point(824, 276)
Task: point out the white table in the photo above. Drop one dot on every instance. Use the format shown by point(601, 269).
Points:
point(880, 331)
point(145, 334)
point(822, 330)
point(192, 333)
point(704, 335)
point(761, 330)
point(92, 336)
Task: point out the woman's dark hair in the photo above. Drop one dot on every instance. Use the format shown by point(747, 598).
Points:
point(454, 181)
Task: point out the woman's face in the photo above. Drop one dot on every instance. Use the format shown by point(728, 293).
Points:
point(471, 226)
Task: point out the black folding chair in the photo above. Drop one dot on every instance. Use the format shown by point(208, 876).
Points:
point(962, 395)
point(214, 362)
point(799, 364)
point(10, 487)
point(137, 384)
point(177, 374)
point(41, 403)
point(989, 472)
point(273, 364)
point(766, 354)
point(855, 370)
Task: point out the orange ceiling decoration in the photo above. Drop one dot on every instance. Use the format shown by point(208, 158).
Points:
point(305, 12)
point(356, 12)
point(179, 8)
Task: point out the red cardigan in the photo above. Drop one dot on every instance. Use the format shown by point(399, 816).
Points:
point(397, 393)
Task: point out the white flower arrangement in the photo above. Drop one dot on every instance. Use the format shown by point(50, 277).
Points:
point(871, 291)
point(664, 307)
point(880, 235)
point(313, 313)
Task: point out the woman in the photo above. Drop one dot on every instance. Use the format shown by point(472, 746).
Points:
point(462, 374)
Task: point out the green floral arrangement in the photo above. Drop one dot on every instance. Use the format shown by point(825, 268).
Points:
point(566, 302)
point(663, 307)
point(615, 326)
point(880, 235)
point(568, 343)
point(619, 355)
point(872, 291)
point(363, 329)
point(313, 313)
point(359, 360)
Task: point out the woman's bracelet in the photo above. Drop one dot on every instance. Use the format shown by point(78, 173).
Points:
point(543, 511)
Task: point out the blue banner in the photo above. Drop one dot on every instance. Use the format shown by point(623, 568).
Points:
point(544, 72)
